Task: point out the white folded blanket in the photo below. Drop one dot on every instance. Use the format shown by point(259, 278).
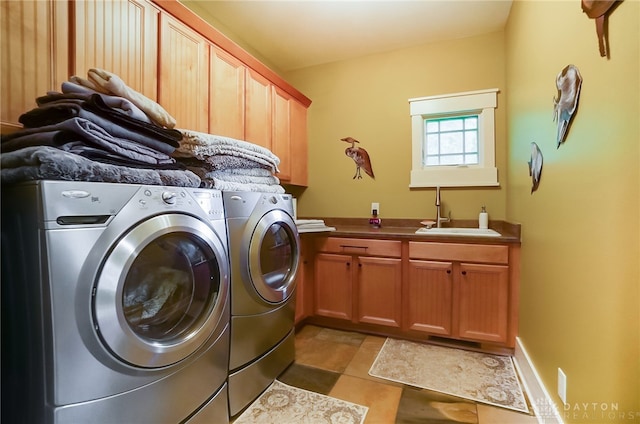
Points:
point(203, 145)
point(312, 226)
point(233, 186)
point(107, 83)
point(301, 222)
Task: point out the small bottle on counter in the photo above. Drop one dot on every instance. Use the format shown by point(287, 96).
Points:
point(374, 221)
point(483, 219)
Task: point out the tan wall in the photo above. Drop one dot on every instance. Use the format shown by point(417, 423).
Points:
point(580, 281)
point(580, 300)
point(367, 98)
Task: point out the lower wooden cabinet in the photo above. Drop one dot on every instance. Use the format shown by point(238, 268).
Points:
point(358, 284)
point(461, 300)
point(483, 302)
point(334, 286)
point(429, 299)
point(379, 291)
point(459, 291)
point(304, 283)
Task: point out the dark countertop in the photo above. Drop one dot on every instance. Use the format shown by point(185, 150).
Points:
point(405, 229)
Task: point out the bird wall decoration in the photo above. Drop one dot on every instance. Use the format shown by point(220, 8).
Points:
point(535, 166)
point(568, 83)
point(359, 156)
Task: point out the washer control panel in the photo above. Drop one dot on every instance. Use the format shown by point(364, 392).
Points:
point(181, 198)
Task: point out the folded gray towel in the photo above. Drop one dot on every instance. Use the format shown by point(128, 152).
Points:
point(114, 122)
point(71, 90)
point(43, 162)
point(231, 177)
point(82, 130)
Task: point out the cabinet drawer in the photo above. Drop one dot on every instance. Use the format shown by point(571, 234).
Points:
point(360, 246)
point(459, 252)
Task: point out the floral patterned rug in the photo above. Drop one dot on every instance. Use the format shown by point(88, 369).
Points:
point(480, 377)
point(281, 403)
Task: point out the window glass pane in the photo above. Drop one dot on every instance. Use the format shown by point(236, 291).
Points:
point(451, 141)
point(451, 125)
point(471, 123)
point(451, 160)
point(432, 161)
point(433, 146)
point(432, 126)
point(470, 141)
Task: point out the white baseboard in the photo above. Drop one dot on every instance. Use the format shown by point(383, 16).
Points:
point(543, 406)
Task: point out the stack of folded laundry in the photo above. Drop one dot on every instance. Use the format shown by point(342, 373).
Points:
point(312, 226)
point(96, 129)
point(226, 163)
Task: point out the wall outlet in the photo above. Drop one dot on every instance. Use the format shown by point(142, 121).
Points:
point(562, 386)
point(375, 206)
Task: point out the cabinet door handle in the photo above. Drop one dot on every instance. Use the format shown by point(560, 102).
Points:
point(448, 271)
point(464, 272)
point(359, 265)
point(347, 246)
point(348, 263)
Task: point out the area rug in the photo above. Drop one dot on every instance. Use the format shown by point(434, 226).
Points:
point(281, 403)
point(480, 377)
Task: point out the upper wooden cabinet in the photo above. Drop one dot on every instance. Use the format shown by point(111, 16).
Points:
point(299, 145)
point(184, 74)
point(35, 57)
point(257, 126)
point(162, 50)
point(226, 94)
point(281, 131)
point(120, 37)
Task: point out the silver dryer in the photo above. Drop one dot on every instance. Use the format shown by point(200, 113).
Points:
point(264, 250)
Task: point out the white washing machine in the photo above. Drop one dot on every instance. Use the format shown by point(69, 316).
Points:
point(264, 250)
point(115, 304)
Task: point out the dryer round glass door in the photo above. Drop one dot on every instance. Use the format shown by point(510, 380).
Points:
point(274, 251)
point(161, 291)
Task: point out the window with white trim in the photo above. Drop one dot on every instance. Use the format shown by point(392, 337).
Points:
point(453, 140)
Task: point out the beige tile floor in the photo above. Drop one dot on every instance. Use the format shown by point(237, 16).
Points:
point(336, 363)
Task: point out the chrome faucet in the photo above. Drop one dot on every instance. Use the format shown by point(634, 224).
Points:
point(439, 218)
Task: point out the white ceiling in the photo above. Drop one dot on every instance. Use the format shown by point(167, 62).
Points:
point(296, 34)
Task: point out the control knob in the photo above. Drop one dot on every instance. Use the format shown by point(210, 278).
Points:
point(169, 197)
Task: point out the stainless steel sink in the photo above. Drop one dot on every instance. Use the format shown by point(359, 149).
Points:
point(470, 232)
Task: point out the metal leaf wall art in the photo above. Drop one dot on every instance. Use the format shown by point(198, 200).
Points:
point(360, 157)
point(568, 83)
point(535, 166)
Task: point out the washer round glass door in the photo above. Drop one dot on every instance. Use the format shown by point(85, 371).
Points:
point(273, 256)
point(161, 292)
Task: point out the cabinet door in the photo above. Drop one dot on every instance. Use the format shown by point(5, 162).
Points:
point(120, 37)
point(379, 287)
point(34, 55)
point(281, 131)
point(483, 302)
point(333, 288)
point(184, 74)
point(226, 95)
point(299, 141)
point(429, 298)
point(304, 282)
point(258, 109)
